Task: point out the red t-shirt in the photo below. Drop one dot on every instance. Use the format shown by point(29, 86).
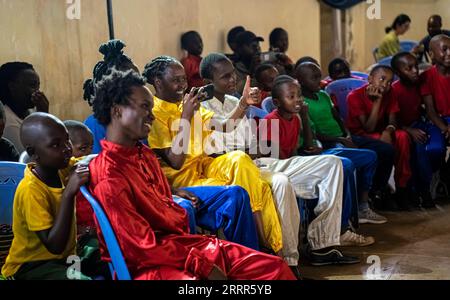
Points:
point(288, 133)
point(409, 102)
point(191, 65)
point(359, 104)
point(438, 86)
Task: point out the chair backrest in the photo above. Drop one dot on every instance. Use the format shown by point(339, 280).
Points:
point(11, 173)
point(115, 253)
point(408, 45)
point(254, 112)
point(268, 105)
point(386, 61)
point(360, 74)
point(340, 89)
point(375, 54)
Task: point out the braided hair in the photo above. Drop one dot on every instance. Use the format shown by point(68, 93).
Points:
point(157, 67)
point(9, 73)
point(113, 57)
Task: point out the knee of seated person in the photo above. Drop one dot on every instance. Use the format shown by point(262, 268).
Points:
point(332, 160)
point(239, 156)
point(347, 164)
point(371, 156)
point(402, 135)
point(280, 180)
point(238, 193)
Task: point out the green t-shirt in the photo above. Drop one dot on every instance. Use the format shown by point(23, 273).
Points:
point(321, 115)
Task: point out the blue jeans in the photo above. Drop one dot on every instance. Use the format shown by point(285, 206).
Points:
point(226, 207)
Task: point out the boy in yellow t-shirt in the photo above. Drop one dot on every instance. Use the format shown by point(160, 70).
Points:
point(43, 213)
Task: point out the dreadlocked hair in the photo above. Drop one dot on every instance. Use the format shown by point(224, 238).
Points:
point(113, 57)
point(114, 89)
point(157, 67)
point(9, 73)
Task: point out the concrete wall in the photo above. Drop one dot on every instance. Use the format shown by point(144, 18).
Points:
point(64, 51)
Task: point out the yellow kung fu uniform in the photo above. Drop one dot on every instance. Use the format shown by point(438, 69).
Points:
point(234, 168)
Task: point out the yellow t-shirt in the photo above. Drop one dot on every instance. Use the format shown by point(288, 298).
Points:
point(165, 128)
point(390, 45)
point(36, 206)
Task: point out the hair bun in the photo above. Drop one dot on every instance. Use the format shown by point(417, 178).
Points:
point(112, 49)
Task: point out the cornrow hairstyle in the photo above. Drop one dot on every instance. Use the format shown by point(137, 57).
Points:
point(379, 67)
point(186, 37)
point(278, 83)
point(395, 62)
point(207, 64)
point(8, 73)
point(114, 89)
point(157, 67)
point(275, 35)
point(113, 57)
point(261, 68)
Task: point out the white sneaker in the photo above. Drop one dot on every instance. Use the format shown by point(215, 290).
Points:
point(369, 216)
point(349, 238)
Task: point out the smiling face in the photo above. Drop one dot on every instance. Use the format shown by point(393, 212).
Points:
point(408, 69)
point(290, 99)
point(382, 79)
point(136, 118)
point(173, 84)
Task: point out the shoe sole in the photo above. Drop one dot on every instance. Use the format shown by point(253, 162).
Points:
point(368, 221)
point(357, 245)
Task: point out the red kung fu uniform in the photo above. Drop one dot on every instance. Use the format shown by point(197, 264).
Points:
point(152, 230)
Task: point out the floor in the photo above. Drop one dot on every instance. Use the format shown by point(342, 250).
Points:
point(412, 245)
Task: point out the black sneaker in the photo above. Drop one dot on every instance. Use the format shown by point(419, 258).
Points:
point(296, 272)
point(332, 257)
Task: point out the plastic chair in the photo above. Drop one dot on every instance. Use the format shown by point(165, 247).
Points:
point(408, 45)
point(360, 74)
point(385, 61)
point(11, 173)
point(340, 89)
point(374, 53)
point(254, 112)
point(268, 105)
point(118, 262)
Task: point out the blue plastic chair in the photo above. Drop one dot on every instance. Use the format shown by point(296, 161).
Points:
point(360, 74)
point(118, 262)
point(11, 173)
point(385, 61)
point(268, 105)
point(408, 45)
point(340, 89)
point(254, 112)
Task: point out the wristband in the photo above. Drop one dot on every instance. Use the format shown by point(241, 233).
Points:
point(391, 126)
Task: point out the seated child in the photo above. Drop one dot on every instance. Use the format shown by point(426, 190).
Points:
point(331, 132)
point(372, 113)
point(425, 159)
point(177, 137)
point(19, 92)
point(435, 91)
point(265, 75)
point(339, 68)
point(7, 150)
point(44, 216)
point(192, 43)
point(131, 187)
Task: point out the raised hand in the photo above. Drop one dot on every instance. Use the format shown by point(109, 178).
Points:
point(40, 101)
point(251, 96)
point(190, 104)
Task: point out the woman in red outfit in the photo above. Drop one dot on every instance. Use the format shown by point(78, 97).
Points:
point(151, 229)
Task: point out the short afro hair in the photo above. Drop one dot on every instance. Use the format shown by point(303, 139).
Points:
point(380, 67)
point(278, 83)
point(8, 73)
point(186, 37)
point(395, 62)
point(207, 64)
point(114, 89)
point(261, 68)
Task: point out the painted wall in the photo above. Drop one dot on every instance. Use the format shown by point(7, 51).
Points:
point(64, 51)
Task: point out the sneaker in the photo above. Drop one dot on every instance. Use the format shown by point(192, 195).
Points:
point(351, 239)
point(332, 257)
point(369, 216)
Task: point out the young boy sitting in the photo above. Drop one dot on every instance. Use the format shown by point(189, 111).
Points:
point(192, 43)
point(435, 91)
point(425, 160)
point(339, 68)
point(132, 189)
point(331, 132)
point(44, 209)
point(372, 113)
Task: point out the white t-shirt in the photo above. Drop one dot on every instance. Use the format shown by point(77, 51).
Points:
point(239, 139)
point(12, 128)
